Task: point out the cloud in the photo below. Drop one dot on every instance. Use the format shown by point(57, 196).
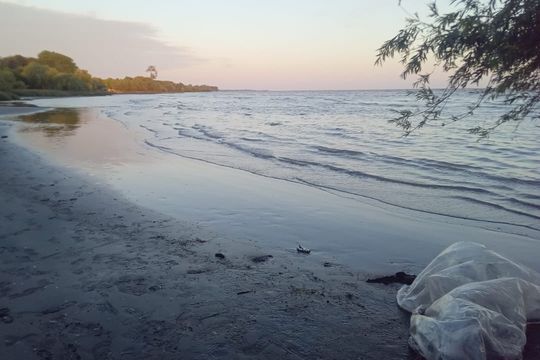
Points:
point(104, 47)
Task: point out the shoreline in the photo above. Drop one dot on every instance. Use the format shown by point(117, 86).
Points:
point(363, 234)
point(17, 108)
point(85, 272)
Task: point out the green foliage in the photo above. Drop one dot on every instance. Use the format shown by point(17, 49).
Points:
point(7, 80)
point(38, 76)
point(61, 63)
point(64, 81)
point(97, 85)
point(496, 42)
point(141, 84)
point(54, 74)
point(15, 63)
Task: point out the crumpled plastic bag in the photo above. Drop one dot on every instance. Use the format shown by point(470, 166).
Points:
point(471, 303)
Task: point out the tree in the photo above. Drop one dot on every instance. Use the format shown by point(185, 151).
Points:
point(97, 84)
point(491, 42)
point(15, 62)
point(153, 72)
point(7, 80)
point(61, 63)
point(69, 82)
point(83, 75)
point(38, 76)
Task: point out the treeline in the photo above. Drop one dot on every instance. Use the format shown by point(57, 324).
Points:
point(54, 74)
point(49, 71)
point(141, 84)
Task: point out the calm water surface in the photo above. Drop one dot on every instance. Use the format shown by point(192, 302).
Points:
point(323, 169)
point(341, 141)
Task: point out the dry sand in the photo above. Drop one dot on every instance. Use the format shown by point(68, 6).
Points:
point(84, 274)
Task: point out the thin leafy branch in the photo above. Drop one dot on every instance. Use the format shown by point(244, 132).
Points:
point(495, 42)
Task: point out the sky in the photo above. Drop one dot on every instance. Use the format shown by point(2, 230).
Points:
point(234, 44)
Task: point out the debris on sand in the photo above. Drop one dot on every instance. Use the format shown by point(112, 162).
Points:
point(303, 250)
point(399, 277)
point(244, 292)
point(262, 258)
point(5, 316)
point(197, 271)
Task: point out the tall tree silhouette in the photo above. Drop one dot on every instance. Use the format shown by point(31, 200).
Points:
point(153, 71)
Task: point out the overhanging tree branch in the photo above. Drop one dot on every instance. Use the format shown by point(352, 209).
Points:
point(496, 41)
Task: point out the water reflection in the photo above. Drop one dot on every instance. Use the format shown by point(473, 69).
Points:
point(79, 135)
point(54, 123)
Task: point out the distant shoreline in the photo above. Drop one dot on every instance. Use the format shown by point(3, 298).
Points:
point(157, 92)
point(52, 74)
point(21, 95)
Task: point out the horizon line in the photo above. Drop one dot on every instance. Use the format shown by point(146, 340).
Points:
point(343, 90)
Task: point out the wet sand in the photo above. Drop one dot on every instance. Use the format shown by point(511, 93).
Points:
point(85, 274)
point(16, 108)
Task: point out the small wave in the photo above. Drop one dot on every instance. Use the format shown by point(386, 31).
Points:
point(361, 174)
point(183, 132)
point(338, 151)
point(160, 147)
point(257, 152)
point(155, 132)
point(491, 161)
point(252, 139)
point(496, 206)
point(523, 203)
point(460, 169)
point(295, 161)
point(208, 132)
point(328, 187)
point(531, 196)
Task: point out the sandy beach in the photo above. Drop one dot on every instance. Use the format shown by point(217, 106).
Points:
point(87, 274)
point(270, 180)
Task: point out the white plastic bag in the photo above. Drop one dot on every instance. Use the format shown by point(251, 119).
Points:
point(471, 303)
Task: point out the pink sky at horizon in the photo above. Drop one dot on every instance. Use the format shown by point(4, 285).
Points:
point(241, 44)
